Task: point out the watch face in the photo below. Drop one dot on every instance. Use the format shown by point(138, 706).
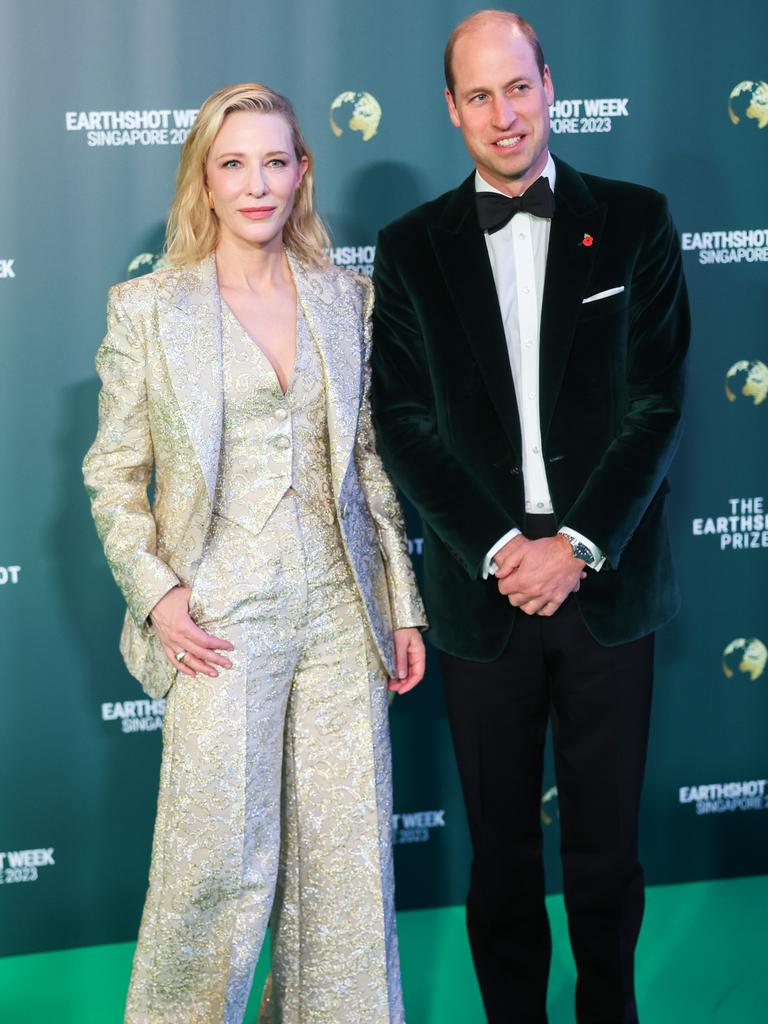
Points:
point(580, 550)
point(583, 552)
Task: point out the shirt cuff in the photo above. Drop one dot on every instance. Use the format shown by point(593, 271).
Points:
point(489, 566)
point(597, 552)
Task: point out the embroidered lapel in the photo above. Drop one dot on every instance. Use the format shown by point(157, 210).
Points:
point(190, 335)
point(337, 331)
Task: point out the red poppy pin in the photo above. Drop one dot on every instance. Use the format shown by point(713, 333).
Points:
point(587, 240)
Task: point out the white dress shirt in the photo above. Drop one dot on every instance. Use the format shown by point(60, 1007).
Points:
point(518, 255)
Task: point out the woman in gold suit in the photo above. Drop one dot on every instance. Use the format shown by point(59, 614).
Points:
point(268, 585)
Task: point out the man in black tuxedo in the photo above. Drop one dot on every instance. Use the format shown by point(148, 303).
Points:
point(527, 388)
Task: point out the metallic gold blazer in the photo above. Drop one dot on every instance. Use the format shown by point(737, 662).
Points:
point(160, 408)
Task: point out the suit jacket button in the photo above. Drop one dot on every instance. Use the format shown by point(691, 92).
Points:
point(514, 471)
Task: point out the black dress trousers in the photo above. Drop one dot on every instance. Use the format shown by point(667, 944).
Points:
point(599, 699)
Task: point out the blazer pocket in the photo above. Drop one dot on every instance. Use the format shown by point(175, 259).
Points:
point(599, 296)
point(604, 304)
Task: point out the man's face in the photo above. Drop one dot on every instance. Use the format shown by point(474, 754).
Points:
point(501, 104)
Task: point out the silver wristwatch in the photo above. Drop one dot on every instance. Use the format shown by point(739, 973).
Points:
point(579, 549)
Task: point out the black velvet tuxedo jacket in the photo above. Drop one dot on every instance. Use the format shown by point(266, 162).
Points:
point(611, 391)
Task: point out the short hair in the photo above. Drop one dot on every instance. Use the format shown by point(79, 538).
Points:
point(506, 16)
point(193, 228)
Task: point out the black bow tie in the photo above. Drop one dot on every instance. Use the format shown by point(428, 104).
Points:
point(495, 210)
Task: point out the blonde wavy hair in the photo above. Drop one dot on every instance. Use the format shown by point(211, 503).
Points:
point(193, 228)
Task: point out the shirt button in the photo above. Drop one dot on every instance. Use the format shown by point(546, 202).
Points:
point(281, 413)
point(526, 291)
point(531, 394)
point(528, 343)
point(281, 441)
point(539, 504)
point(536, 449)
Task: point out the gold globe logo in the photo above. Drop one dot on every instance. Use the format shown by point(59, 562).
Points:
point(747, 655)
point(146, 262)
point(355, 112)
point(749, 99)
point(747, 379)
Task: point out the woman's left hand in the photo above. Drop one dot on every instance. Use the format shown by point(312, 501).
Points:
point(410, 659)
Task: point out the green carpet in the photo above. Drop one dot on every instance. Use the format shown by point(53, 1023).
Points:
point(701, 959)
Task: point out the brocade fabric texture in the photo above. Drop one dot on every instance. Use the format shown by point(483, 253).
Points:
point(161, 409)
point(276, 777)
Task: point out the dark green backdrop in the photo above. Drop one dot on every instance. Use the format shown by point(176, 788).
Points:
point(81, 198)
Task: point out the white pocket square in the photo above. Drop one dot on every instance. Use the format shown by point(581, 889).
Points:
point(603, 295)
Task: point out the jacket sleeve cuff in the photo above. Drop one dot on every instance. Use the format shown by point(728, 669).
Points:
point(163, 580)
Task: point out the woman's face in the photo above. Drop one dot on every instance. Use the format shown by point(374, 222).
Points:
point(252, 172)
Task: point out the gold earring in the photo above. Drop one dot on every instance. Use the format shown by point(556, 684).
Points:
point(210, 200)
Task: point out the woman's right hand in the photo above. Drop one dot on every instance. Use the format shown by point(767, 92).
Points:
point(177, 632)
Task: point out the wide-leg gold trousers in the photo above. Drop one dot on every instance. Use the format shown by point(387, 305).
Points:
point(274, 796)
